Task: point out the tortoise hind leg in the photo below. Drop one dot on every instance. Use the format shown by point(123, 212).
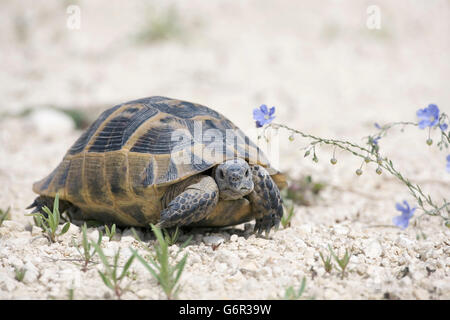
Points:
point(40, 202)
point(44, 201)
point(198, 198)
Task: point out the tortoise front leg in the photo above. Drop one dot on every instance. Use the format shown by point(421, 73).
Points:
point(199, 196)
point(265, 200)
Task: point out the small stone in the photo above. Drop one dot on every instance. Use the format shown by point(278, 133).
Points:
point(234, 238)
point(404, 242)
point(221, 267)
point(36, 231)
point(331, 294)
point(341, 230)
point(6, 283)
point(253, 252)
point(144, 293)
point(421, 294)
point(213, 240)
point(15, 262)
point(13, 225)
point(93, 234)
point(31, 273)
point(228, 257)
point(39, 241)
point(373, 249)
point(305, 230)
point(299, 243)
point(249, 267)
point(50, 122)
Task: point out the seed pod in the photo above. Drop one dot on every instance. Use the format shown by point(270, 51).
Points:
point(358, 172)
point(333, 160)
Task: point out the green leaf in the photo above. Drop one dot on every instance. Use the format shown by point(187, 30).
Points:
point(145, 264)
point(56, 203)
point(106, 280)
point(65, 228)
point(180, 266)
point(100, 253)
point(126, 267)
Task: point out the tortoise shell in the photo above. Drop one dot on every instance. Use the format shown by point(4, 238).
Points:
point(120, 167)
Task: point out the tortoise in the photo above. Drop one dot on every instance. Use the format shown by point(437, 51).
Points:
point(168, 162)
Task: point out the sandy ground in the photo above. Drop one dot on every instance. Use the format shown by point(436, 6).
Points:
point(317, 62)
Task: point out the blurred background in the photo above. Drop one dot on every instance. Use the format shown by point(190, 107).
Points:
point(331, 68)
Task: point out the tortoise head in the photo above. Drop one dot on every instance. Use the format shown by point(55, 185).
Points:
point(234, 179)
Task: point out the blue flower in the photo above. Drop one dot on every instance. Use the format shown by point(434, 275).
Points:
point(263, 115)
point(448, 163)
point(375, 141)
point(402, 220)
point(443, 126)
point(428, 117)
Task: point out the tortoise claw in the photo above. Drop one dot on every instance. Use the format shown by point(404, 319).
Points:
point(34, 204)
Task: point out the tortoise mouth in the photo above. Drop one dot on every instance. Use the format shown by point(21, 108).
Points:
point(232, 194)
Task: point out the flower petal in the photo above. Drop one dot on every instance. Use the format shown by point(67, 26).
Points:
point(271, 111)
point(263, 108)
point(399, 207)
point(400, 222)
point(257, 114)
point(433, 110)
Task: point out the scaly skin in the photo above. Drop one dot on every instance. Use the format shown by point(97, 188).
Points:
point(265, 200)
point(198, 198)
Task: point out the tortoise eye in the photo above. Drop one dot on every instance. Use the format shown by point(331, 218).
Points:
point(221, 174)
point(246, 173)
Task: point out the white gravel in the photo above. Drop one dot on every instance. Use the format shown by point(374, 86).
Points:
point(326, 73)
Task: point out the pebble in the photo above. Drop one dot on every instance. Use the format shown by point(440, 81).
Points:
point(36, 231)
point(31, 273)
point(7, 283)
point(405, 242)
point(93, 234)
point(234, 238)
point(213, 240)
point(13, 225)
point(228, 257)
point(373, 249)
point(221, 267)
point(253, 252)
point(144, 293)
point(50, 123)
point(341, 230)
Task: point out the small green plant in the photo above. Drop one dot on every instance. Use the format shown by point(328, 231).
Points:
point(291, 294)
point(50, 223)
point(160, 267)
point(71, 293)
point(110, 277)
point(85, 252)
point(171, 237)
point(20, 273)
point(303, 190)
point(326, 262)
point(160, 26)
point(342, 263)
point(4, 215)
point(288, 215)
point(110, 233)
